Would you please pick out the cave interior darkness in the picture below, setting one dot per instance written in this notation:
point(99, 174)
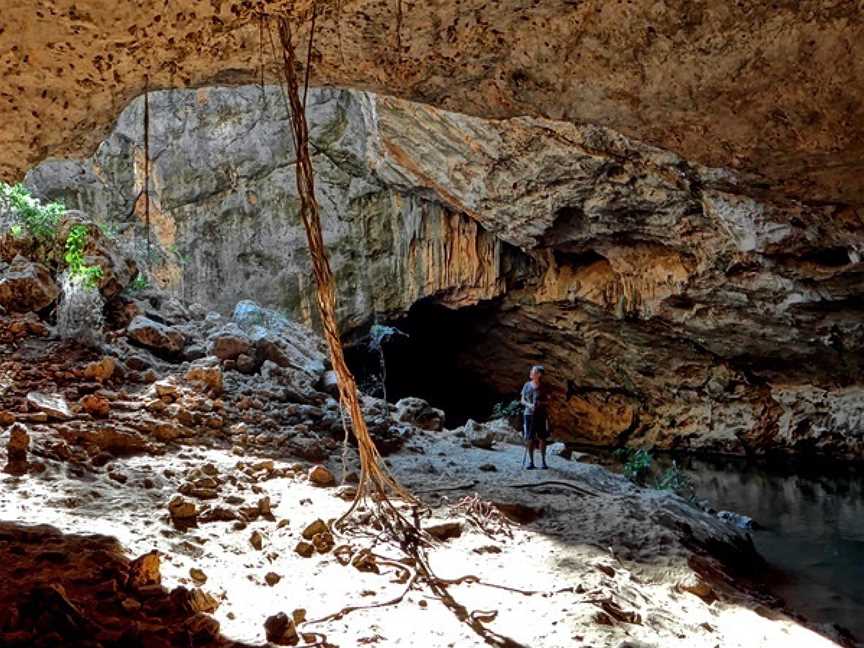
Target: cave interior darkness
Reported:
point(425, 359)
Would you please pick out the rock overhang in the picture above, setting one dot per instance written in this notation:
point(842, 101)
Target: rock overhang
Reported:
point(767, 90)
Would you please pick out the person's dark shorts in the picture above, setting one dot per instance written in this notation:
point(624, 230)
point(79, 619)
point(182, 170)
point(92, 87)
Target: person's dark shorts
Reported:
point(534, 427)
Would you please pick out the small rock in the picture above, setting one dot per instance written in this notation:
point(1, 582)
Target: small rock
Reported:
point(19, 442)
point(96, 405)
point(257, 540)
point(736, 519)
point(246, 364)
point(165, 388)
point(321, 476)
point(318, 526)
point(271, 578)
point(6, 418)
point(347, 492)
point(101, 370)
point(417, 411)
point(280, 629)
point(207, 374)
point(144, 571)
point(201, 601)
point(323, 542)
point(479, 435)
point(488, 467)
point(182, 509)
point(264, 506)
point(444, 530)
point(305, 549)
point(197, 575)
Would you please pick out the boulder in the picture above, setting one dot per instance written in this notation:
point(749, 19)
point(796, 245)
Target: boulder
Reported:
point(280, 340)
point(479, 435)
point(26, 286)
point(53, 405)
point(417, 411)
point(229, 342)
point(156, 336)
point(118, 269)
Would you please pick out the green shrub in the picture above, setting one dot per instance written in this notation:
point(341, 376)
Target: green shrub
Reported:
point(675, 480)
point(637, 463)
point(40, 220)
point(139, 283)
point(507, 410)
point(109, 230)
point(89, 276)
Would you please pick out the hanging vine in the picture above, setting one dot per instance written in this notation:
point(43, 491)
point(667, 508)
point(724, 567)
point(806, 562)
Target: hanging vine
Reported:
point(376, 483)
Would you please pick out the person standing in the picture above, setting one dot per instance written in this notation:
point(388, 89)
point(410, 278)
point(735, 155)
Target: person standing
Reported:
point(535, 420)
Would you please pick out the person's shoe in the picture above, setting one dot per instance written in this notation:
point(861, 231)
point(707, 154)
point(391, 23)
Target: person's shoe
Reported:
point(531, 467)
point(544, 467)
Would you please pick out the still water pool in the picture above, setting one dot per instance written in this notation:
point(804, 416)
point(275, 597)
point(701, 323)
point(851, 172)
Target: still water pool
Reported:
point(810, 528)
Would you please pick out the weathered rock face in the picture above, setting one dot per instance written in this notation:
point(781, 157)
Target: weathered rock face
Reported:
point(771, 89)
point(670, 306)
point(224, 212)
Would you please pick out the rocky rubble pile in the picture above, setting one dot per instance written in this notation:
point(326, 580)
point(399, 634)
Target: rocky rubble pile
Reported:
point(104, 598)
point(164, 371)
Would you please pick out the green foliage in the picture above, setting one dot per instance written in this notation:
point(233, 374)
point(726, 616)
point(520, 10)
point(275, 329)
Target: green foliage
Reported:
point(89, 276)
point(109, 230)
point(183, 258)
point(637, 463)
point(507, 410)
point(139, 283)
point(673, 479)
point(17, 230)
point(40, 220)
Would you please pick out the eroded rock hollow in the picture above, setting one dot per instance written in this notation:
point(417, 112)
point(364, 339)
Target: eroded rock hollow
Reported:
point(674, 304)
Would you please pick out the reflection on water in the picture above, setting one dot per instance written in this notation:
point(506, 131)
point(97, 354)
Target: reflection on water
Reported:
point(812, 529)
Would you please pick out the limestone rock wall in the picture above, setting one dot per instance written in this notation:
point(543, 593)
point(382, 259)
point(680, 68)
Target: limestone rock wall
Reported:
point(671, 304)
point(224, 219)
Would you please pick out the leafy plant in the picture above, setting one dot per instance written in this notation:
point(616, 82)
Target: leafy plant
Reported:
point(141, 282)
point(109, 230)
point(40, 220)
point(17, 230)
point(79, 271)
point(637, 463)
point(674, 479)
point(506, 410)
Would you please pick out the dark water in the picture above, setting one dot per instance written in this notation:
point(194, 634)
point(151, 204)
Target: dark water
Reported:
point(812, 529)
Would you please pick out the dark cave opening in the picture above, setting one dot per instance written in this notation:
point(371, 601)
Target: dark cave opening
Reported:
point(426, 358)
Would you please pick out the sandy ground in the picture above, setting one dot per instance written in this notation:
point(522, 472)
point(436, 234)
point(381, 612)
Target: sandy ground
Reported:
point(621, 556)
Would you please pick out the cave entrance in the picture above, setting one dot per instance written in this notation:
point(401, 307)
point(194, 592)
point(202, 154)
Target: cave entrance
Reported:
point(431, 356)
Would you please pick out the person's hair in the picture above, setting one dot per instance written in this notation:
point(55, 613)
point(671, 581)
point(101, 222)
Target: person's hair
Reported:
point(537, 368)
